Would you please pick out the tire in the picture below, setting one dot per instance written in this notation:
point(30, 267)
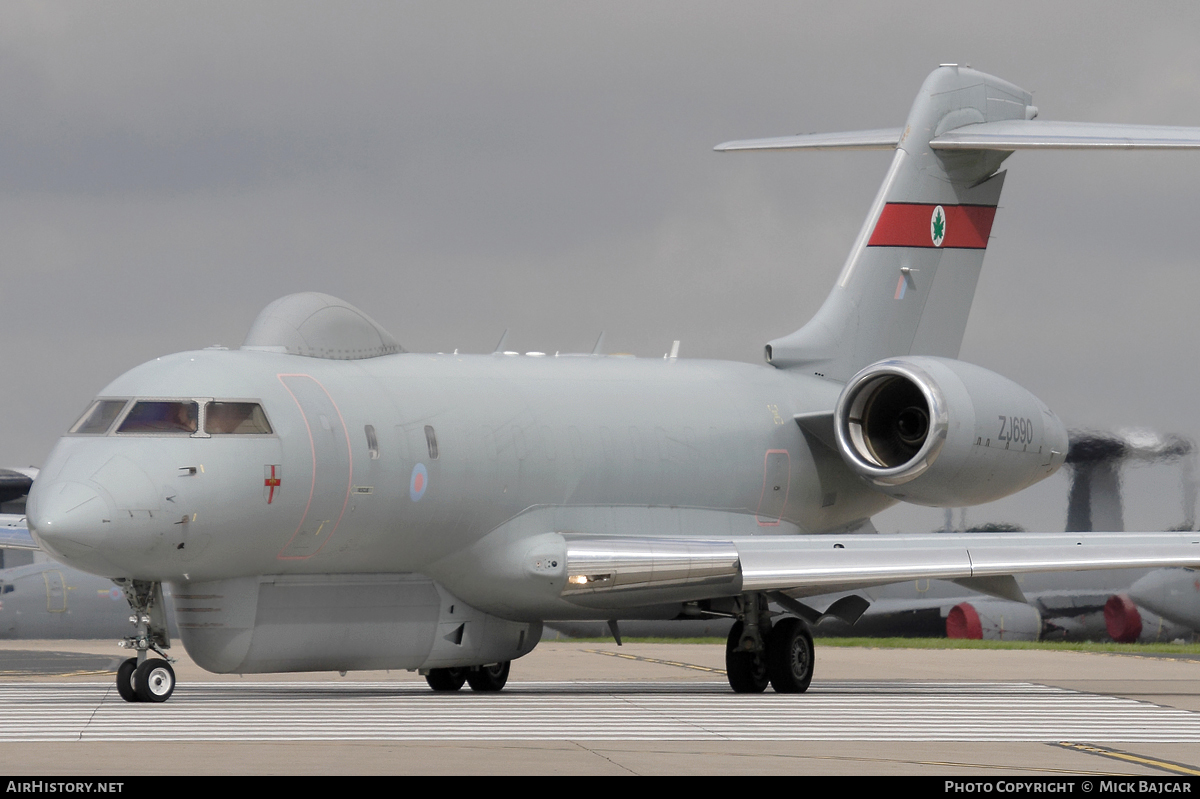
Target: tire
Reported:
point(125, 680)
point(747, 671)
point(446, 679)
point(489, 678)
point(790, 656)
point(154, 680)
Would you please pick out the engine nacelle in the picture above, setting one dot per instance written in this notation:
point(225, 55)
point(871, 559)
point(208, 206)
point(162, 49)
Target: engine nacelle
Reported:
point(994, 620)
point(1127, 623)
point(935, 431)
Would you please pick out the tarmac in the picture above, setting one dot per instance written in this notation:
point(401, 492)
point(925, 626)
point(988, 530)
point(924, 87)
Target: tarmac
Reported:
point(988, 684)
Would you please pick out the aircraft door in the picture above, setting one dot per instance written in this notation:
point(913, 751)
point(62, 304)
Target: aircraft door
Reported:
point(56, 591)
point(331, 467)
point(777, 474)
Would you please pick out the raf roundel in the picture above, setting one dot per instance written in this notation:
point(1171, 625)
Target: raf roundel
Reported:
point(937, 226)
point(418, 482)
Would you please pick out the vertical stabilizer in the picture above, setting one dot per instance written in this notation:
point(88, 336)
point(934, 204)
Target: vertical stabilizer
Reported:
point(908, 283)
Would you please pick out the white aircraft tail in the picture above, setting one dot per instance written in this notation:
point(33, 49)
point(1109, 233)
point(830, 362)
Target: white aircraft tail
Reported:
point(908, 284)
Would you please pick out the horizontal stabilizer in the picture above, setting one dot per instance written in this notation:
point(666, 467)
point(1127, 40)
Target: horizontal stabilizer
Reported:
point(1003, 136)
point(885, 139)
point(1021, 134)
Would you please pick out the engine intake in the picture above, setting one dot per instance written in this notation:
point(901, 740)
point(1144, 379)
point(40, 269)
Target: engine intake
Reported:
point(941, 432)
point(893, 420)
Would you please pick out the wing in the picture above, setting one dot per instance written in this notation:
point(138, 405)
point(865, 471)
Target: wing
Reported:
point(14, 533)
point(635, 570)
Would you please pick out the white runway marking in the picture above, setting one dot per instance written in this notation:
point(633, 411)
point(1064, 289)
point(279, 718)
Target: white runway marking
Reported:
point(379, 711)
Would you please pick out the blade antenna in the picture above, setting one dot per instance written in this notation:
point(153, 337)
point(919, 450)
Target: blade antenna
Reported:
point(500, 344)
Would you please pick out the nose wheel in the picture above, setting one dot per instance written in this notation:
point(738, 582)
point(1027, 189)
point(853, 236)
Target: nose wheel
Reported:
point(125, 685)
point(154, 680)
point(143, 678)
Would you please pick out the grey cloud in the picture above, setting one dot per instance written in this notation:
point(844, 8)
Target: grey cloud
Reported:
point(457, 168)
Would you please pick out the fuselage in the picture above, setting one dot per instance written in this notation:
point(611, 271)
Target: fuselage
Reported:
point(390, 464)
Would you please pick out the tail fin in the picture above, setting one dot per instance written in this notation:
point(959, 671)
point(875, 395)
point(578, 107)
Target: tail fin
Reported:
point(908, 284)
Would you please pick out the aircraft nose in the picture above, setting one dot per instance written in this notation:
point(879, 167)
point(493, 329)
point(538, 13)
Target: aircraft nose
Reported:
point(70, 519)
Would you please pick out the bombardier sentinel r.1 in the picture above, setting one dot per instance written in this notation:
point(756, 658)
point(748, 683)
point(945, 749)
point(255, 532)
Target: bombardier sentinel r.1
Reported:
point(322, 499)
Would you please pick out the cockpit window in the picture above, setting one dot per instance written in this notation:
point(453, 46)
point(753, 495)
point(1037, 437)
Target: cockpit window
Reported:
point(235, 417)
point(99, 417)
point(160, 417)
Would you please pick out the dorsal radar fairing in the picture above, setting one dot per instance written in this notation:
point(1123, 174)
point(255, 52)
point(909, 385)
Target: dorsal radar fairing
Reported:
point(908, 283)
point(319, 326)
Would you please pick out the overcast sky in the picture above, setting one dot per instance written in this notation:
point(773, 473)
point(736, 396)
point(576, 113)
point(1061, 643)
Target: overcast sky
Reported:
point(455, 169)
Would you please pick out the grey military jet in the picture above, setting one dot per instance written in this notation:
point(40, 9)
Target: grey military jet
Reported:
point(47, 600)
point(321, 499)
point(1173, 594)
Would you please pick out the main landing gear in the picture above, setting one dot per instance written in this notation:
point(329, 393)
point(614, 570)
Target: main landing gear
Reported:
point(489, 678)
point(759, 652)
point(142, 678)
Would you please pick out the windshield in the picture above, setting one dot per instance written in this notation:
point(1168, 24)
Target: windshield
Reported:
point(99, 417)
point(224, 418)
point(161, 416)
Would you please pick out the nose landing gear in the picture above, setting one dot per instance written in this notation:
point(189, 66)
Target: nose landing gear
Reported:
point(142, 678)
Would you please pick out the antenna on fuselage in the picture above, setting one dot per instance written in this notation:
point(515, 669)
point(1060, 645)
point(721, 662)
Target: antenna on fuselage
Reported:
point(596, 350)
point(500, 344)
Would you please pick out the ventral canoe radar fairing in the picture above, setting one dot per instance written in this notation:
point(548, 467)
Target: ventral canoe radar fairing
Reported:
point(321, 499)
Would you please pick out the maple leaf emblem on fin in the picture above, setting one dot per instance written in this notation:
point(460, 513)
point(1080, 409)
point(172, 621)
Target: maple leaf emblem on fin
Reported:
point(937, 226)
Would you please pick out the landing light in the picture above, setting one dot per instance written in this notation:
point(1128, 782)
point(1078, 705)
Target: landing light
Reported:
point(584, 579)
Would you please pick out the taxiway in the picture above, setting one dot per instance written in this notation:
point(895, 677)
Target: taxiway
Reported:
point(588, 708)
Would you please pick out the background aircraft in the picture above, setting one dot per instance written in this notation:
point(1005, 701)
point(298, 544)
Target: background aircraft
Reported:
point(14, 486)
point(48, 600)
point(1174, 594)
